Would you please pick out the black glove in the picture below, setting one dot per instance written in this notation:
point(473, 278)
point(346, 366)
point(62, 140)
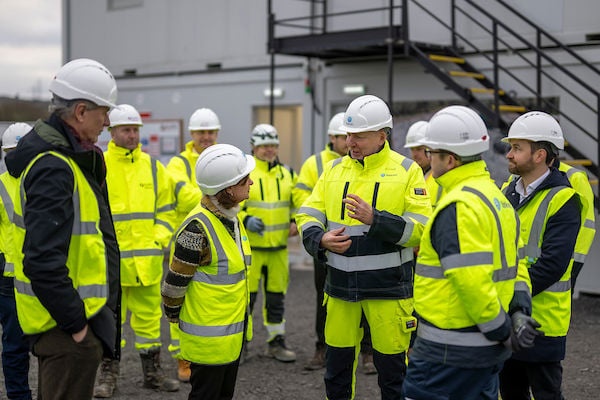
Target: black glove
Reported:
point(523, 333)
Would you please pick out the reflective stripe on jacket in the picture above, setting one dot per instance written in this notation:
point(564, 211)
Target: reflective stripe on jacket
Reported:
point(310, 172)
point(379, 262)
point(142, 202)
point(9, 188)
point(213, 315)
point(86, 260)
point(463, 296)
point(181, 168)
point(271, 201)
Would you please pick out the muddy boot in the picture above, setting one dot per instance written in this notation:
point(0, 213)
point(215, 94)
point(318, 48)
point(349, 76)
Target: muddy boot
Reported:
point(368, 367)
point(318, 360)
point(183, 370)
point(278, 350)
point(154, 376)
point(107, 381)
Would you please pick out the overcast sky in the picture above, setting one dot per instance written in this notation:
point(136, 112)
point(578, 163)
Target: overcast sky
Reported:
point(30, 46)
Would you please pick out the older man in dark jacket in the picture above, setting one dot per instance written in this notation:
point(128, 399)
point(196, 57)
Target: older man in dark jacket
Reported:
point(67, 286)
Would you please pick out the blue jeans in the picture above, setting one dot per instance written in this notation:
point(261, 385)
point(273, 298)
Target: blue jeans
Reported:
point(432, 381)
point(15, 351)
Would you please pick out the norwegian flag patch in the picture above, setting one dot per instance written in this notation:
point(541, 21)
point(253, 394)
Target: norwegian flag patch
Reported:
point(420, 192)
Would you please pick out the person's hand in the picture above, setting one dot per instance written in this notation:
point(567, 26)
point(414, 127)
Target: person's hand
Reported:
point(523, 333)
point(334, 241)
point(293, 229)
point(79, 336)
point(359, 209)
point(255, 224)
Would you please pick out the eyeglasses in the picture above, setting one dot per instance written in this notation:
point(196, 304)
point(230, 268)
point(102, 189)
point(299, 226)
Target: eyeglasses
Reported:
point(429, 152)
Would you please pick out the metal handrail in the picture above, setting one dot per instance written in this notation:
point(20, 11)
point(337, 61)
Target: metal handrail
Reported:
point(364, 10)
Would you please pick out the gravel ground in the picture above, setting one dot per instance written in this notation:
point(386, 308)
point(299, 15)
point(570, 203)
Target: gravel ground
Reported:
point(266, 379)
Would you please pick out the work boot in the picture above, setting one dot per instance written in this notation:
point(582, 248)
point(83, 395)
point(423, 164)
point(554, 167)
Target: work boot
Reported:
point(318, 360)
point(368, 367)
point(154, 376)
point(278, 350)
point(183, 370)
point(107, 381)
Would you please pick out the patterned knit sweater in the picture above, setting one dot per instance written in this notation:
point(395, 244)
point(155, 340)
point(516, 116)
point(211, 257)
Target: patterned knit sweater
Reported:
point(192, 250)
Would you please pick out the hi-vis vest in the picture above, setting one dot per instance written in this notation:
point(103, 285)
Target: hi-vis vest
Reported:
point(552, 307)
point(86, 260)
point(9, 188)
point(465, 295)
point(181, 167)
point(142, 207)
point(271, 201)
point(580, 183)
point(370, 268)
point(310, 172)
point(216, 300)
point(433, 188)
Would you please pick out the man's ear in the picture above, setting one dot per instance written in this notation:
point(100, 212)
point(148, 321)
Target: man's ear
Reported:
point(79, 111)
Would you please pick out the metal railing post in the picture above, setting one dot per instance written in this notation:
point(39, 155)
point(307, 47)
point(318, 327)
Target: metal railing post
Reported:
point(496, 78)
point(538, 71)
point(390, 60)
point(453, 22)
point(324, 16)
point(405, 29)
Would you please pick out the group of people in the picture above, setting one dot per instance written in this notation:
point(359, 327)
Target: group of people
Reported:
point(465, 288)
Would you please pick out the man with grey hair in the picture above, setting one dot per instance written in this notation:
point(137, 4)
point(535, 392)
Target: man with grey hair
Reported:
point(67, 282)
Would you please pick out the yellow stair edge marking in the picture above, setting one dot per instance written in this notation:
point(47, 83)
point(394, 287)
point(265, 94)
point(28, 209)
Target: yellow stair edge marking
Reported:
point(467, 74)
point(593, 181)
point(485, 90)
point(578, 162)
point(437, 57)
point(508, 108)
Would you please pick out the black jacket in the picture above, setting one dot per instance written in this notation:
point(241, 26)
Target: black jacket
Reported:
point(558, 243)
point(48, 217)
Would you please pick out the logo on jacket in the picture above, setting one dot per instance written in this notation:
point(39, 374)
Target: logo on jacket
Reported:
point(497, 204)
point(420, 192)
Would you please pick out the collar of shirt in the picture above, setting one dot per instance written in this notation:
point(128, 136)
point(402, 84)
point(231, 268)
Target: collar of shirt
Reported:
point(523, 193)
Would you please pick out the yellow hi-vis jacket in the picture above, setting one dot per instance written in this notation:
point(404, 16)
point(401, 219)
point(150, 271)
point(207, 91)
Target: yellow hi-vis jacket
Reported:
point(434, 189)
point(215, 307)
point(310, 172)
point(580, 183)
point(182, 170)
point(86, 260)
point(142, 202)
point(9, 189)
point(463, 294)
point(270, 200)
point(378, 264)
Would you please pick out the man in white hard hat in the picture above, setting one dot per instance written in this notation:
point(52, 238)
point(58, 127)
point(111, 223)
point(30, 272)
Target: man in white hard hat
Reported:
point(204, 126)
point(268, 215)
point(414, 136)
point(471, 294)
point(142, 201)
point(550, 213)
point(67, 284)
point(15, 351)
point(364, 215)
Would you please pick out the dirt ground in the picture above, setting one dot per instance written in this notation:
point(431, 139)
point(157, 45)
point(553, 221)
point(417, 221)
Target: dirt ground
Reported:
point(266, 379)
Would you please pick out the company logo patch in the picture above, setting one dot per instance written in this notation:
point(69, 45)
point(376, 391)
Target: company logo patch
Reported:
point(349, 120)
point(420, 192)
point(497, 204)
point(411, 324)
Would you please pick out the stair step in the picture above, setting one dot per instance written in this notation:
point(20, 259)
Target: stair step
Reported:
point(578, 162)
point(485, 90)
point(593, 182)
point(437, 57)
point(465, 74)
point(509, 108)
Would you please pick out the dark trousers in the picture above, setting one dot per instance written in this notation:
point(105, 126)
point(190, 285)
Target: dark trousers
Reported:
point(15, 350)
point(213, 382)
point(432, 381)
point(320, 275)
point(67, 370)
point(518, 377)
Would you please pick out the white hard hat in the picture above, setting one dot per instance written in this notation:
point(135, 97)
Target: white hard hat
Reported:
point(221, 166)
point(124, 114)
point(204, 119)
point(459, 130)
point(366, 113)
point(85, 79)
point(13, 134)
point(264, 134)
point(536, 126)
point(334, 125)
point(415, 133)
